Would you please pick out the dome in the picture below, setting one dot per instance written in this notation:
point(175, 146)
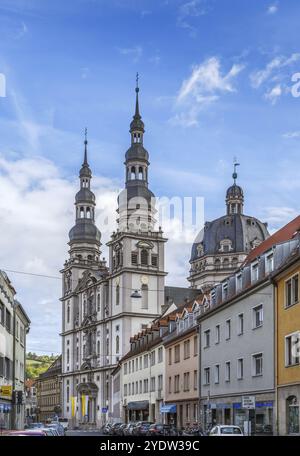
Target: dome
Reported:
point(135, 191)
point(240, 232)
point(85, 231)
point(137, 152)
point(235, 191)
point(85, 195)
point(137, 124)
point(85, 171)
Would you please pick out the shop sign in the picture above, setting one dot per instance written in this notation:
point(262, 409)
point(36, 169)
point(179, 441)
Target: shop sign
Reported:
point(6, 391)
point(248, 402)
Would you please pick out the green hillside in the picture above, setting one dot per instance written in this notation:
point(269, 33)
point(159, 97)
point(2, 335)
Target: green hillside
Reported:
point(37, 364)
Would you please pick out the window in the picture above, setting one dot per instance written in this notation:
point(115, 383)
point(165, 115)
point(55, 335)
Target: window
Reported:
point(160, 355)
point(154, 261)
point(117, 344)
point(2, 314)
point(145, 361)
point(228, 329)
point(239, 282)
point(134, 258)
point(144, 257)
point(195, 380)
point(141, 386)
point(125, 369)
point(141, 362)
point(98, 302)
point(195, 346)
point(144, 296)
point(170, 356)
point(186, 381)
point(217, 373)
point(257, 365)
point(292, 291)
point(217, 334)
point(170, 385)
point(152, 384)
point(227, 371)
point(152, 358)
point(68, 314)
point(207, 376)
point(240, 369)
point(206, 338)
point(8, 321)
point(254, 272)
point(98, 347)
point(293, 415)
point(160, 382)
point(177, 354)
point(176, 384)
point(292, 355)
point(186, 349)
point(117, 295)
point(258, 316)
point(269, 263)
point(146, 386)
point(240, 324)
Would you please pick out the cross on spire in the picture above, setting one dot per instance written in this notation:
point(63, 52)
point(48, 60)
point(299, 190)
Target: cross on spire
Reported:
point(85, 147)
point(234, 175)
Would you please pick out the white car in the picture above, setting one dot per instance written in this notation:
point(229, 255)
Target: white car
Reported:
point(226, 431)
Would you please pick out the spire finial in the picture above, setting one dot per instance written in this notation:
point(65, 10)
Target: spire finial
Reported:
point(137, 89)
point(85, 146)
point(234, 175)
point(137, 82)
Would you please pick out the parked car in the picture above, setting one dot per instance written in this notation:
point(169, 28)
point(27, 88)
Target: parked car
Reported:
point(26, 432)
point(56, 425)
point(36, 425)
point(159, 429)
point(224, 431)
point(142, 428)
point(64, 422)
point(129, 429)
point(120, 429)
point(106, 429)
point(114, 428)
point(193, 431)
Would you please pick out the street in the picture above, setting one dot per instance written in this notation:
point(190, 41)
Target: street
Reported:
point(83, 433)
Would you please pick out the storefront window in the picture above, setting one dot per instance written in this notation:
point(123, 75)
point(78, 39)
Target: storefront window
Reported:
point(293, 415)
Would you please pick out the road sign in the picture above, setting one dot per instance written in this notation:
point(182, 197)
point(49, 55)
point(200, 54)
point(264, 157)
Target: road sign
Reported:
point(6, 391)
point(104, 410)
point(248, 402)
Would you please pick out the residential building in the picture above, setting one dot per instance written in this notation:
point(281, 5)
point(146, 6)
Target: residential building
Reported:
point(239, 363)
point(181, 405)
point(223, 244)
point(287, 303)
point(14, 326)
point(48, 392)
point(30, 401)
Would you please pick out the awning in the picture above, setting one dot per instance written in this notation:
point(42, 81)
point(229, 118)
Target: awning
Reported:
point(171, 408)
point(139, 405)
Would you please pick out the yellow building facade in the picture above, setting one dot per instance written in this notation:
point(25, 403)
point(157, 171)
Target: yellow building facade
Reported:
point(287, 347)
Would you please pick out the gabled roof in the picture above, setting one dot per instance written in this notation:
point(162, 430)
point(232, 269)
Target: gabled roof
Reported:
point(284, 234)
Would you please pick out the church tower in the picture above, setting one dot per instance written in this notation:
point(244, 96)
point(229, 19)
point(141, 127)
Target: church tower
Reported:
point(136, 250)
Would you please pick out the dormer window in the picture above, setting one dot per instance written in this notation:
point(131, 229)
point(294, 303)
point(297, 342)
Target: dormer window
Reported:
point(254, 272)
point(269, 262)
point(200, 250)
point(225, 245)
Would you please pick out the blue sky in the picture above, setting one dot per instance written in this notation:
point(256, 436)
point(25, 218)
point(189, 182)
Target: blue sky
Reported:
point(215, 78)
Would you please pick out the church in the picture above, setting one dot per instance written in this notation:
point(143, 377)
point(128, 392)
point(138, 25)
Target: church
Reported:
point(103, 305)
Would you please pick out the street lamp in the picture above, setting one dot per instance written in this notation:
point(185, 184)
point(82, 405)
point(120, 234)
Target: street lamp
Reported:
point(136, 294)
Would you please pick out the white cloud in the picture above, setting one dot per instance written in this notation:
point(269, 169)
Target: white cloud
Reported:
point(272, 9)
point(257, 78)
point(291, 134)
point(187, 11)
point(274, 94)
point(204, 86)
point(278, 216)
point(134, 52)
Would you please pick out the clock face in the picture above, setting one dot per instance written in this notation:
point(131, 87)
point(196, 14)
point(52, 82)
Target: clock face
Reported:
point(144, 280)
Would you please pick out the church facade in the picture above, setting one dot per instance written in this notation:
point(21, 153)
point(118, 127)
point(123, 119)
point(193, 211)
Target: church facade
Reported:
point(103, 306)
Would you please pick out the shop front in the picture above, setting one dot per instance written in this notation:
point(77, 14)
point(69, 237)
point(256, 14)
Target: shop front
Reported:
point(169, 412)
point(5, 414)
point(137, 411)
point(260, 417)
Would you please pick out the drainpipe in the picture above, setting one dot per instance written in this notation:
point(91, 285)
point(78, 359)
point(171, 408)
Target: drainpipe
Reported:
point(199, 373)
point(275, 297)
point(13, 407)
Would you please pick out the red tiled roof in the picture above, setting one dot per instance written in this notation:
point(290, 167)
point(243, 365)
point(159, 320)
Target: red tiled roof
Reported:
point(284, 234)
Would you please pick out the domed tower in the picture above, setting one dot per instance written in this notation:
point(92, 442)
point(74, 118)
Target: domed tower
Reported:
point(136, 203)
point(223, 244)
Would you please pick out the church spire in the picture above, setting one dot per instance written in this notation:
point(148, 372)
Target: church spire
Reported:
point(137, 125)
point(235, 195)
point(85, 172)
point(85, 162)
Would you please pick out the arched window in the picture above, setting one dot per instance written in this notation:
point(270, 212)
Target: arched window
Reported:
point(107, 347)
point(98, 302)
point(226, 263)
point(88, 213)
point(217, 263)
point(77, 354)
point(144, 257)
point(117, 295)
point(133, 172)
point(98, 347)
point(84, 308)
point(117, 344)
point(81, 212)
point(68, 314)
point(68, 394)
point(141, 173)
point(292, 415)
point(145, 293)
point(68, 356)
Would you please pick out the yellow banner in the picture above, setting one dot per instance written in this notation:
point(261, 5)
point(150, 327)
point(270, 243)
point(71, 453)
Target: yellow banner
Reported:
point(6, 390)
point(84, 405)
point(73, 405)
